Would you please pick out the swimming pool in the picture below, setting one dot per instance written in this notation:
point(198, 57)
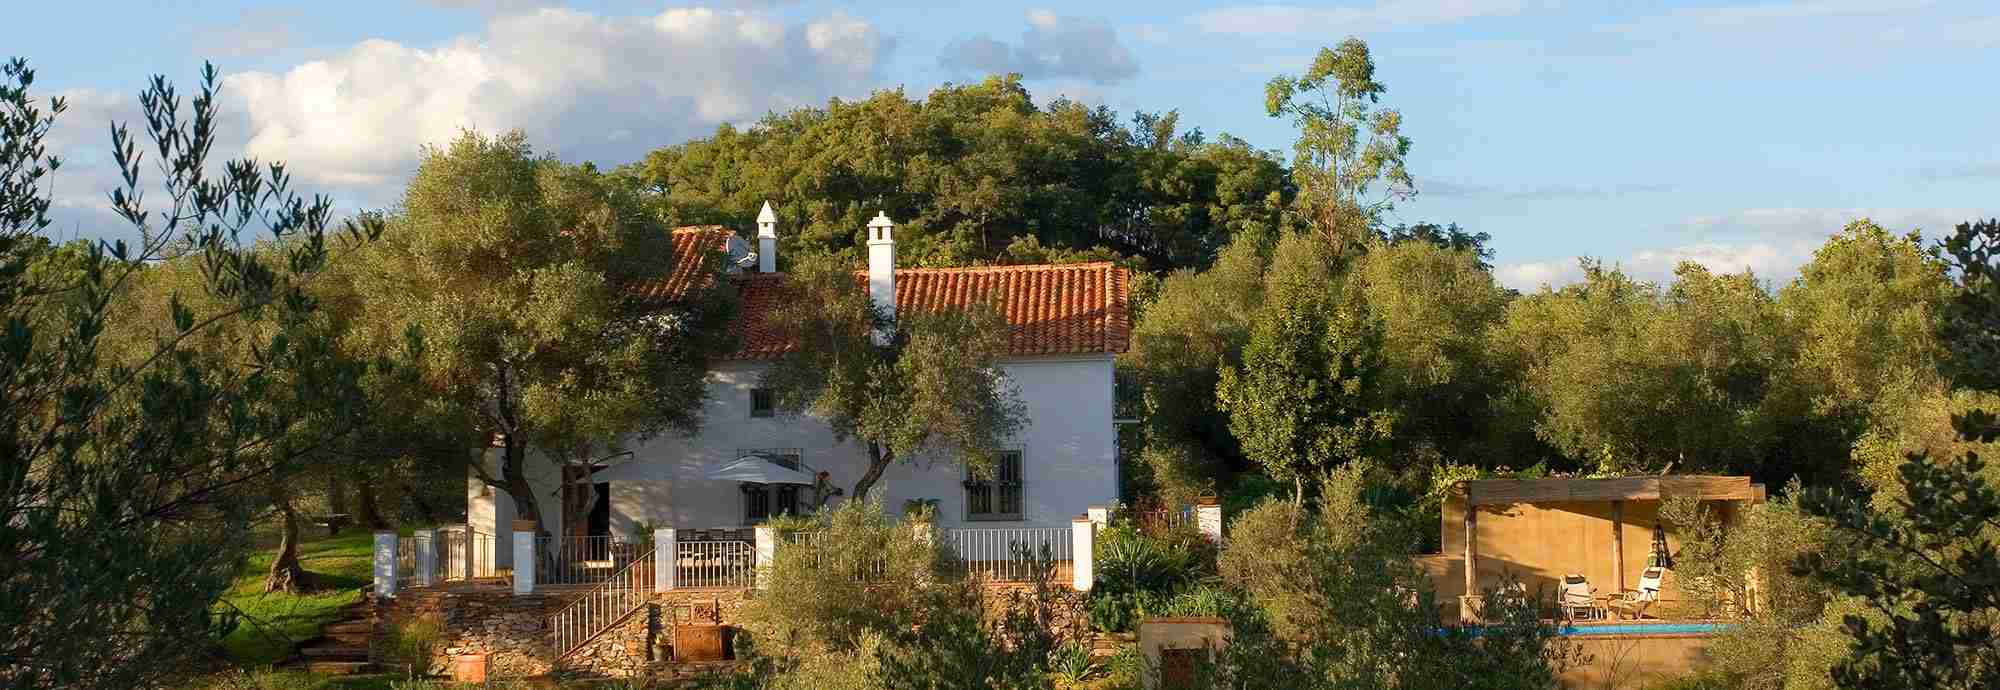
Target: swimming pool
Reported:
point(1644, 629)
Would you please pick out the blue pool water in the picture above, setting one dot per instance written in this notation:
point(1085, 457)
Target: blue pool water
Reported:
point(1644, 629)
point(1627, 629)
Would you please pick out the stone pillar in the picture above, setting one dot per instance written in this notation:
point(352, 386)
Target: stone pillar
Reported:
point(1083, 552)
point(767, 553)
point(524, 556)
point(666, 558)
point(1208, 517)
point(385, 564)
point(426, 541)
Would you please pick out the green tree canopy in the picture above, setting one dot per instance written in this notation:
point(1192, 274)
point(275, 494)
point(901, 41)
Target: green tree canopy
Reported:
point(1309, 393)
point(524, 276)
point(971, 168)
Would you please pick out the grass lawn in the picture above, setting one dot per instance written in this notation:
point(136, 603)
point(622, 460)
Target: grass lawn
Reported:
point(342, 565)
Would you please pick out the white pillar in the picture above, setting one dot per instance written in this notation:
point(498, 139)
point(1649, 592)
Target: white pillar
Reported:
point(426, 541)
point(1208, 517)
point(767, 553)
point(385, 564)
point(524, 556)
point(666, 558)
point(1083, 552)
point(1100, 516)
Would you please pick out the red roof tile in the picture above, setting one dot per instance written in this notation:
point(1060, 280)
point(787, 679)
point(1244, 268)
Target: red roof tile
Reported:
point(1060, 309)
point(688, 242)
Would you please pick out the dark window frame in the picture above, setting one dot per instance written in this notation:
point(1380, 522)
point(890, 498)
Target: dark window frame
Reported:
point(990, 500)
point(763, 403)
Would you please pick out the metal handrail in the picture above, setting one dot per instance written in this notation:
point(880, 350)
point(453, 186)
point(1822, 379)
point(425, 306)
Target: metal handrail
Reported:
point(997, 553)
point(605, 605)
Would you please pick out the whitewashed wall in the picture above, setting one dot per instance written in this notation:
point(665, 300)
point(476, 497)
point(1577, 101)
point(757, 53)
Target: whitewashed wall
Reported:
point(1068, 457)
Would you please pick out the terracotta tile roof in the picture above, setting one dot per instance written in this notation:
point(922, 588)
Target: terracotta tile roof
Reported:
point(689, 241)
point(1061, 309)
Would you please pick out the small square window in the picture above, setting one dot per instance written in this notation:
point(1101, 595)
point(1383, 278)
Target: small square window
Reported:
point(762, 403)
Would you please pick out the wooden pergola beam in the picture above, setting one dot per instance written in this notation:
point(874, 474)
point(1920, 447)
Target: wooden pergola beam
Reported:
point(1511, 491)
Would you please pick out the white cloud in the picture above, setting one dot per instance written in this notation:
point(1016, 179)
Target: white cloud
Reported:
point(1821, 222)
point(1771, 242)
point(1054, 46)
point(583, 87)
point(1304, 20)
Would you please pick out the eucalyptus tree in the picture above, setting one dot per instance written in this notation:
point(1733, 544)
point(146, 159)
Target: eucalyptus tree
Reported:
point(1347, 146)
point(127, 485)
point(542, 290)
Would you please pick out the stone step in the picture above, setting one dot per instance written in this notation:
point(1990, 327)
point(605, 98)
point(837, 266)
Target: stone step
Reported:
point(334, 653)
point(361, 624)
point(338, 668)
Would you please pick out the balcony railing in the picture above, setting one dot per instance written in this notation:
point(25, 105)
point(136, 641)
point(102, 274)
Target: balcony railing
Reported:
point(1011, 554)
point(580, 560)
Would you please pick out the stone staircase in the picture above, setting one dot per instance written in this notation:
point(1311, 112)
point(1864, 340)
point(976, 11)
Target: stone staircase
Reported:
point(341, 648)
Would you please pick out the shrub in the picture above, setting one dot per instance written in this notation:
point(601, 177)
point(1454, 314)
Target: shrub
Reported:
point(413, 643)
point(862, 573)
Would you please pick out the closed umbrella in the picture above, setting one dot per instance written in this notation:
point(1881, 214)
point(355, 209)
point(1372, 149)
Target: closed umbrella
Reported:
point(1660, 557)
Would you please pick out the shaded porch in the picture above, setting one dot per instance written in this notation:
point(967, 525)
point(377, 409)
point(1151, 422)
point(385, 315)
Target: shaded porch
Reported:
point(1547, 534)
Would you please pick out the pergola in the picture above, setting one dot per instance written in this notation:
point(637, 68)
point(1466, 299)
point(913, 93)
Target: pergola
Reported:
point(1616, 491)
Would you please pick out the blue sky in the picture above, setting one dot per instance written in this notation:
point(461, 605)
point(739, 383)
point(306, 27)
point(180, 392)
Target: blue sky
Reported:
point(1642, 132)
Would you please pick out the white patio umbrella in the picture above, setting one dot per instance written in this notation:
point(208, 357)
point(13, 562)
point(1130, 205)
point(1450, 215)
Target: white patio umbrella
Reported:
point(758, 469)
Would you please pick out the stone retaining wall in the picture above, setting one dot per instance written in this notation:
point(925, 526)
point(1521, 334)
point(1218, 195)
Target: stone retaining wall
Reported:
point(512, 629)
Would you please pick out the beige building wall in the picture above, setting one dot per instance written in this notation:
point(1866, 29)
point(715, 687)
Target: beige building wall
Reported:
point(1539, 544)
point(1634, 662)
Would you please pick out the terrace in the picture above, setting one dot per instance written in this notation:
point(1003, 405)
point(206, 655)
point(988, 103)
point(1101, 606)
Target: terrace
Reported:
point(1594, 550)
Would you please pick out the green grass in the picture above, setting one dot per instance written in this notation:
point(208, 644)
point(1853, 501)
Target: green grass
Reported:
point(342, 566)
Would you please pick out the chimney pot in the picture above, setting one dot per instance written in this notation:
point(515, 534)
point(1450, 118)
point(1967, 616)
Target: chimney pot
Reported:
point(767, 240)
point(882, 266)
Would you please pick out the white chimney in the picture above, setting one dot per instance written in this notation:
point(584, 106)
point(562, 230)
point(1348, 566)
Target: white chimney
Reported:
point(767, 240)
point(882, 263)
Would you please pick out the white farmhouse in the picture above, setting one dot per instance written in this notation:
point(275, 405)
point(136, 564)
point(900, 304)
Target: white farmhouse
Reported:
point(1069, 321)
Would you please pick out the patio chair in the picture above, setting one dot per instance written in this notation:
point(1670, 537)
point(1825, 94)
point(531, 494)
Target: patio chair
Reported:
point(1636, 601)
point(1579, 599)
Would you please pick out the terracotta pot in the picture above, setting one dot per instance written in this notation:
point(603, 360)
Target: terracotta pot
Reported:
point(468, 668)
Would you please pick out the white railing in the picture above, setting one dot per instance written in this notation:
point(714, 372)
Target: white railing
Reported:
point(406, 560)
point(605, 605)
point(580, 560)
point(716, 564)
point(859, 567)
point(1009, 554)
point(463, 551)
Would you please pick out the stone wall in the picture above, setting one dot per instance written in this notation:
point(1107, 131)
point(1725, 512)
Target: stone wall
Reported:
point(512, 630)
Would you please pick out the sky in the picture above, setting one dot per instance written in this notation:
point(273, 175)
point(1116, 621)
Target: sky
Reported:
point(1643, 133)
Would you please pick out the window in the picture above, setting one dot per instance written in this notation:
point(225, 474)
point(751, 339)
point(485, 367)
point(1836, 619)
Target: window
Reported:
point(762, 403)
point(997, 497)
point(764, 501)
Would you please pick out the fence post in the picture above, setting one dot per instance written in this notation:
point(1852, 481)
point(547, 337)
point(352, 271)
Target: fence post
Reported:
point(767, 553)
point(1100, 516)
point(469, 552)
point(524, 557)
point(666, 558)
point(1208, 516)
point(1083, 551)
point(385, 564)
point(426, 541)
